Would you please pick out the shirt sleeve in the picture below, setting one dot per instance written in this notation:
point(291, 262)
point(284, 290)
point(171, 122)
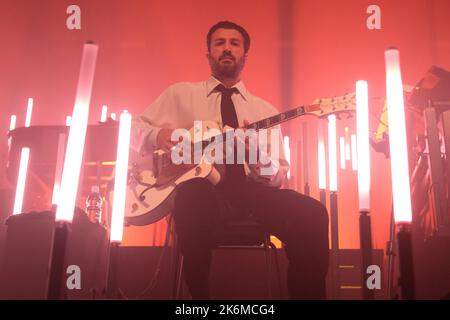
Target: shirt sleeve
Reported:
point(146, 126)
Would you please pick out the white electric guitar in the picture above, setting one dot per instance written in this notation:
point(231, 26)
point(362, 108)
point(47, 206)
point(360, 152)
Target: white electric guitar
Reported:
point(151, 188)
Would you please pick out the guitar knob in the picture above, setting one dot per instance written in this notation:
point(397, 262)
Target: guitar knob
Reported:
point(134, 207)
point(141, 198)
point(198, 170)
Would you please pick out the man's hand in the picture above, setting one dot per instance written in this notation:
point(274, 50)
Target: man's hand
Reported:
point(163, 140)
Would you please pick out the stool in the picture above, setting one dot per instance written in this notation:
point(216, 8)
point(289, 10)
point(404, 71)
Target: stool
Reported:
point(239, 234)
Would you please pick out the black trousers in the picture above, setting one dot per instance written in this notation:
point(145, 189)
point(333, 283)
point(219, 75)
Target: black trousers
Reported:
point(299, 221)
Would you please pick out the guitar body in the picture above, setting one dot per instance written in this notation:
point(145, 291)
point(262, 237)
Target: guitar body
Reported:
point(150, 198)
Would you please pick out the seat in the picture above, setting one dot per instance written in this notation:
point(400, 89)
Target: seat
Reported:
point(237, 234)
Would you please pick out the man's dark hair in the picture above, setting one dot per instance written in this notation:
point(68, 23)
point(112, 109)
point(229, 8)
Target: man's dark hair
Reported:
point(229, 25)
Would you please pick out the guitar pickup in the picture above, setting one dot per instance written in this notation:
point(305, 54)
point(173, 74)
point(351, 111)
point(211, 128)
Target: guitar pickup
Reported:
point(158, 158)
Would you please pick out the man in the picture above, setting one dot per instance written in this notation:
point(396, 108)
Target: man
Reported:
point(200, 207)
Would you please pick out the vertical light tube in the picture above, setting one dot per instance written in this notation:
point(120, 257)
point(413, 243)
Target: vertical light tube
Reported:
point(12, 126)
point(361, 160)
point(29, 112)
point(306, 188)
point(59, 168)
point(347, 145)
point(104, 113)
point(322, 164)
point(120, 180)
point(287, 152)
point(362, 145)
point(397, 138)
point(354, 152)
point(23, 167)
point(332, 156)
point(77, 135)
point(68, 121)
point(12, 122)
point(342, 151)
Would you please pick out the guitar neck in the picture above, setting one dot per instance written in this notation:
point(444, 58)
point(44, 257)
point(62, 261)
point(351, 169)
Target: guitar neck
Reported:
point(259, 125)
point(282, 117)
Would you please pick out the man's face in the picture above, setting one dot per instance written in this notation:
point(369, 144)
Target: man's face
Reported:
point(226, 56)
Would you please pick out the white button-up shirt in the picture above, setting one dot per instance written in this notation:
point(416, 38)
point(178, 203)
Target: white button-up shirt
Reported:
point(185, 102)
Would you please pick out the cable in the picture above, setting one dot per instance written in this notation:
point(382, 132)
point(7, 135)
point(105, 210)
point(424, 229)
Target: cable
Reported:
point(152, 283)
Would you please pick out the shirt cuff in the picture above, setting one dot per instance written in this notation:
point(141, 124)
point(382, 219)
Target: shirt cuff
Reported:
point(151, 144)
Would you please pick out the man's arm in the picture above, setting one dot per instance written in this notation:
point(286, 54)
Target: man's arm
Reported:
point(152, 129)
point(272, 167)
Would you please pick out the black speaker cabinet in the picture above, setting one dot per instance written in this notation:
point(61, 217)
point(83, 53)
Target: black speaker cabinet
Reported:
point(143, 272)
point(25, 267)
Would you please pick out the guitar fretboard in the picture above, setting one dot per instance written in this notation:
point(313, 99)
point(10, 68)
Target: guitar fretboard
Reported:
point(259, 125)
point(277, 119)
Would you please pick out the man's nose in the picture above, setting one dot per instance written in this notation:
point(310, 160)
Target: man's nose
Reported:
point(227, 46)
point(227, 51)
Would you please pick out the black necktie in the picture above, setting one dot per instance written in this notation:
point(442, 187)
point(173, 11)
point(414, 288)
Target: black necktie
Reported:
point(234, 173)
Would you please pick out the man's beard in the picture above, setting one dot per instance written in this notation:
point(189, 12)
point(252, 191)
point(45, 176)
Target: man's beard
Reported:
point(227, 70)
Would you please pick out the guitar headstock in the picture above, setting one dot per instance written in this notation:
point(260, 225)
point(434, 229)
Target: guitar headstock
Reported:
point(323, 107)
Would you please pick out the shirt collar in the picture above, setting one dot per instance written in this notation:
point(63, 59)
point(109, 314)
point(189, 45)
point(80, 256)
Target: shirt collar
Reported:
point(212, 83)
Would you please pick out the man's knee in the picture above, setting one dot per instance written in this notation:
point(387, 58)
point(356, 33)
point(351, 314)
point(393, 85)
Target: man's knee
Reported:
point(193, 199)
point(310, 212)
point(194, 190)
point(321, 213)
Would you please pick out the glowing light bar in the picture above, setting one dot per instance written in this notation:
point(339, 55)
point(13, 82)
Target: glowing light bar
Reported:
point(347, 151)
point(397, 138)
point(305, 153)
point(287, 152)
point(362, 145)
point(120, 180)
point(77, 135)
point(12, 122)
point(113, 116)
point(347, 146)
point(59, 167)
point(354, 152)
point(68, 121)
point(342, 151)
point(12, 126)
point(322, 166)
point(104, 113)
point(332, 153)
point(29, 112)
point(23, 167)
